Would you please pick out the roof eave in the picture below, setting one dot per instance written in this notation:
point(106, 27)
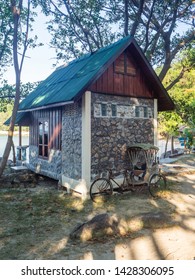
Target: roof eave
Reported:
point(47, 106)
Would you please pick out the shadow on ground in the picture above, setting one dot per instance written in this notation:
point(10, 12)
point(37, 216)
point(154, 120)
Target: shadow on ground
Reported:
point(36, 223)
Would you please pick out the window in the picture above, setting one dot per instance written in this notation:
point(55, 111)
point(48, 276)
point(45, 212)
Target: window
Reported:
point(104, 110)
point(124, 65)
point(141, 112)
point(137, 112)
point(150, 115)
point(119, 64)
point(43, 138)
point(145, 112)
point(114, 110)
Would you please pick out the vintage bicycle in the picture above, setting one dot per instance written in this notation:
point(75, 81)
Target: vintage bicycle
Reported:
point(144, 170)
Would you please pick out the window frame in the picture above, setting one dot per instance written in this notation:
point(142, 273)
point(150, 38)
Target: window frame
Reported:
point(127, 69)
point(104, 112)
point(43, 141)
point(141, 111)
point(114, 110)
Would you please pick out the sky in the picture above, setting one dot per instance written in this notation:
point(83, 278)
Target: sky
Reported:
point(38, 64)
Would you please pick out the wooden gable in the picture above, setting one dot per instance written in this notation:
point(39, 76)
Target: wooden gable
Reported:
point(123, 77)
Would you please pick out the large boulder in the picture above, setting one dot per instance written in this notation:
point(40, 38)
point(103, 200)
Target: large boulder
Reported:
point(103, 224)
point(110, 224)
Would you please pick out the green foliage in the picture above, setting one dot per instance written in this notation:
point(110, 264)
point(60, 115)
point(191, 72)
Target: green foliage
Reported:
point(169, 123)
point(4, 115)
point(7, 31)
point(7, 93)
point(189, 135)
point(183, 95)
point(77, 27)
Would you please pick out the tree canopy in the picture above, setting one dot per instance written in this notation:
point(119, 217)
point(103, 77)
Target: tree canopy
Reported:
point(6, 33)
point(183, 95)
point(79, 26)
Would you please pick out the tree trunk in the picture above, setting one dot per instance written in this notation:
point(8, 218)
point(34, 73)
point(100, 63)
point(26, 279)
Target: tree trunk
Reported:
point(126, 19)
point(16, 11)
point(137, 19)
point(14, 154)
point(11, 128)
point(166, 144)
point(172, 144)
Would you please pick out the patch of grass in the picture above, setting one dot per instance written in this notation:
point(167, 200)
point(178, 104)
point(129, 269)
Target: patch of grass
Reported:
point(36, 222)
point(29, 218)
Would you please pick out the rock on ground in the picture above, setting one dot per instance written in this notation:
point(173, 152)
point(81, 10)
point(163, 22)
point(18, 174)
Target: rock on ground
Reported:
point(106, 224)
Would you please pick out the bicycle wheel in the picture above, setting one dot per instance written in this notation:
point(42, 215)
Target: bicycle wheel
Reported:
point(100, 189)
point(157, 184)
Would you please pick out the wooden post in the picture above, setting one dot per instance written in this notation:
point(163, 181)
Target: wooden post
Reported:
point(20, 142)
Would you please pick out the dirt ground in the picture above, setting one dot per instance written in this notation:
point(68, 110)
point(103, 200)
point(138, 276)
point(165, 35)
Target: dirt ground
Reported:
point(35, 223)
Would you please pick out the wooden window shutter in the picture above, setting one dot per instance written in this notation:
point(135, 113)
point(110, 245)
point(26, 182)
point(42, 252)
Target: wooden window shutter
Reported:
point(120, 64)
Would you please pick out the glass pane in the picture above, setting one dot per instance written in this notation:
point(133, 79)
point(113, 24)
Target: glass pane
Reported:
point(40, 132)
point(46, 132)
point(43, 138)
point(46, 151)
point(137, 111)
point(46, 139)
point(104, 109)
point(46, 127)
point(113, 110)
point(141, 112)
point(145, 112)
point(40, 151)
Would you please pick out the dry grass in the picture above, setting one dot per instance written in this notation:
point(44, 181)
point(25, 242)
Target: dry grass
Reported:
point(36, 222)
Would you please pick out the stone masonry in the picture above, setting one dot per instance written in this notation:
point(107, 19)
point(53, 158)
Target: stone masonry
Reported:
point(71, 140)
point(110, 135)
point(50, 167)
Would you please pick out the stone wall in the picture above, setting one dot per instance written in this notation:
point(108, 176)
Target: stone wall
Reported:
point(129, 121)
point(50, 167)
point(71, 140)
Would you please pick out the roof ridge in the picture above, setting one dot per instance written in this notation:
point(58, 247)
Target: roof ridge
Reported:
point(86, 55)
point(114, 43)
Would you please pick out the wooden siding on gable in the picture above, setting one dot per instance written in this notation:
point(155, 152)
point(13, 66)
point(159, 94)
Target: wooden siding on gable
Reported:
point(124, 77)
point(54, 117)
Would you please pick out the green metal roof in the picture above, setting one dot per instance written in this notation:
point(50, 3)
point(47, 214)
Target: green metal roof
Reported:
point(68, 82)
point(22, 118)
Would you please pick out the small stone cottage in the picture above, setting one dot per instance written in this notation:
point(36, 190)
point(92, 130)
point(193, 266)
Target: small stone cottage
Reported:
point(85, 113)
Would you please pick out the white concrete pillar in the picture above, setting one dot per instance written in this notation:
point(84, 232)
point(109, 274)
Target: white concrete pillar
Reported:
point(86, 138)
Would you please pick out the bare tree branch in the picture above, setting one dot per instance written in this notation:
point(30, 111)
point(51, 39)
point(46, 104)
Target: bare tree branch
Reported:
point(137, 19)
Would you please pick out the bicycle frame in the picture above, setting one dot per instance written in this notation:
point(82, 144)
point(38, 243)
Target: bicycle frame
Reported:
point(125, 183)
point(148, 175)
